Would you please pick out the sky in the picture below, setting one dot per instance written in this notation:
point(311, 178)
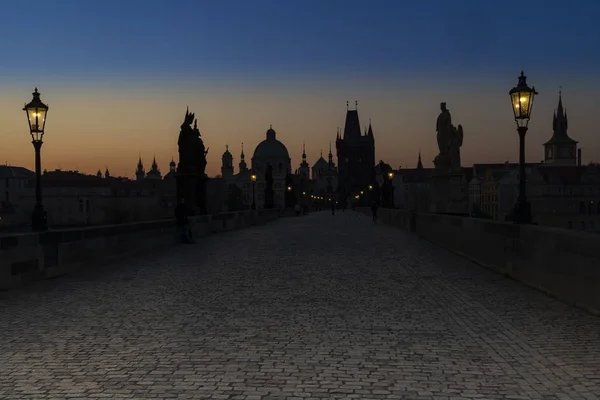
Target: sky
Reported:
point(119, 74)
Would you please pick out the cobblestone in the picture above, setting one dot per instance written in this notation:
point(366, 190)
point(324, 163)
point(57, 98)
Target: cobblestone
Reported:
point(310, 308)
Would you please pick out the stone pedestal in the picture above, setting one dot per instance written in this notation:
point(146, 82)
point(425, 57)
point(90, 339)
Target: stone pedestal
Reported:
point(200, 197)
point(186, 189)
point(449, 194)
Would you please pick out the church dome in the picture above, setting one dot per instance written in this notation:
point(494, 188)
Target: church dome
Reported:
point(227, 155)
point(271, 148)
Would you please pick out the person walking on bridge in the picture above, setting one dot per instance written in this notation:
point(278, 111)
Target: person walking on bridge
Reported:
point(374, 208)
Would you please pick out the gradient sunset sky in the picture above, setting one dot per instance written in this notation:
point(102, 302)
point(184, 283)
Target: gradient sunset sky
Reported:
point(118, 75)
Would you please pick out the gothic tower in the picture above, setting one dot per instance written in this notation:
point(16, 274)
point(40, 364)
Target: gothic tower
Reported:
point(356, 156)
point(243, 165)
point(304, 167)
point(560, 149)
point(227, 163)
point(140, 173)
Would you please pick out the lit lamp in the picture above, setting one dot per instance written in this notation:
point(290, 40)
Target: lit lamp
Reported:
point(253, 179)
point(289, 188)
point(370, 187)
point(521, 98)
point(391, 178)
point(36, 117)
point(303, 193)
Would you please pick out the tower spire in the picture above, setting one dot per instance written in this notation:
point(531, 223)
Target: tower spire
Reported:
point(330, 157)
point(419, 163)
point(303, 151)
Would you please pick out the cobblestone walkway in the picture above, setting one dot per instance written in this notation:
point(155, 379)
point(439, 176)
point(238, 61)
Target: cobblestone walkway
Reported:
point(315, 307)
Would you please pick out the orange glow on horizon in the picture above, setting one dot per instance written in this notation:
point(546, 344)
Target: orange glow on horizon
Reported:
point(119, 122)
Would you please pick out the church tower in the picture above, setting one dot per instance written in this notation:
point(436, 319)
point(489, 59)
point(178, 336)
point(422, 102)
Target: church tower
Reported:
point(560, 149)
point(227, 163)
point(331, 163)
point(172, 166)
point(154, 172)
point(140, 173)
point(243, 165)
point(304, 167)
point(356, 155)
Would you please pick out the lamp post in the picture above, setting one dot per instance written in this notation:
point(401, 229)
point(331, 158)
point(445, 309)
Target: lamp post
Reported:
point(36, 117)
point(391, 179)
point(521, 98)
point(253, 179)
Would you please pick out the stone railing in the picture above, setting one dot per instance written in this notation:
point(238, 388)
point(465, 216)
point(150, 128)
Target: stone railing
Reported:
point(33, 256)
point(562, 263)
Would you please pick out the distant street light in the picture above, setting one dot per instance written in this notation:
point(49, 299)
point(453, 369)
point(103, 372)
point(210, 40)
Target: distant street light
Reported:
point(391, 178)
point(521, 98)
point(253, 179)
point(36, 117)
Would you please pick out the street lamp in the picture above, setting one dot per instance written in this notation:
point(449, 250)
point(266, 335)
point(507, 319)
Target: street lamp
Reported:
point(253, 179)
point(289, 188)
point(391, 178)
point(521, 98)
point(36, 117)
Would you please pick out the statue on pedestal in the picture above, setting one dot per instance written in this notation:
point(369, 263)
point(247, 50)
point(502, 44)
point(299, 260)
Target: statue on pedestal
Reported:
point(450, 140)
point(269, 193)
point(200, 162)
point(185, 177)
point(186, 145)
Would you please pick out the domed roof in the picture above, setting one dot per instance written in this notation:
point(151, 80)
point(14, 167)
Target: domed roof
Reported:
point(271, 148)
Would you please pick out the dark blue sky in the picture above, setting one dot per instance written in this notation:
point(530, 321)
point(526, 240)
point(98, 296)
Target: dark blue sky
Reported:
point(320, 37)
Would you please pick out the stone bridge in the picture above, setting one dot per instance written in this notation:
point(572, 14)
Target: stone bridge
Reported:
point(313, 307)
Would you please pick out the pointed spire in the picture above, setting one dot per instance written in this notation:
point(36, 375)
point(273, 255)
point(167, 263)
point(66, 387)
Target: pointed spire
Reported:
point(321, 153)
point(242, 155)
point(330, 157)
point(419, 163)
point(195, 124)
point(226, 147)
point(559, 110)
point(303, 151)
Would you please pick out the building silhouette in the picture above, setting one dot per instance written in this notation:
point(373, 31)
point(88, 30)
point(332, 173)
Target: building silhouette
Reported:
point(356, 156)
